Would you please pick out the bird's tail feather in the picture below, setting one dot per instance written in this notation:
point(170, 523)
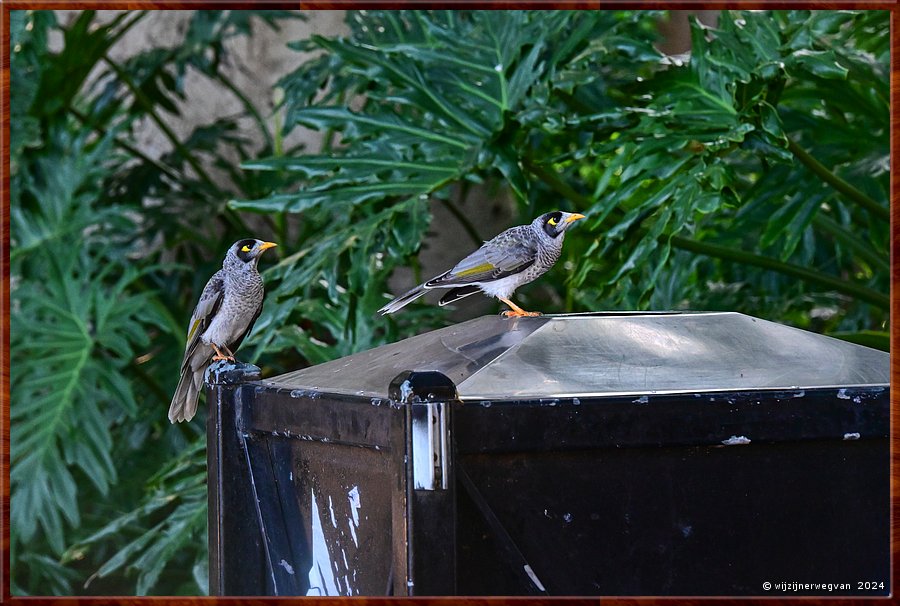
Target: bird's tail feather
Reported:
point(458, 293)
point(187, 394)
point(403, 300)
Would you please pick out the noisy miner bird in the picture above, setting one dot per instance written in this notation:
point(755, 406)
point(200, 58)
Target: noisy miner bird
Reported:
point(513, 258)
point(229, 305)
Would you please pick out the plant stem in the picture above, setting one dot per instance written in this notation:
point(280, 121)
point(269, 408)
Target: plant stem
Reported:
point(464, 221)
point(863, 293)
point(232, 216)
point(417, 269)
point(852, 242)
point(837, 183)
point(278, 143)
point(229, 215)
point(328, 137)
point(550, 178)
point(127, 146)
point(857, 291)
point(128, 25)
point(142, 99)
point(251, 109)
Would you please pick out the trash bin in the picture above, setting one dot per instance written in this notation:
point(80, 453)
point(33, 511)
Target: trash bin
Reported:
point(583, 454)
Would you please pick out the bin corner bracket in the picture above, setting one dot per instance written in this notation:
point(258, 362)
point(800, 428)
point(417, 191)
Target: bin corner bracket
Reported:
point(224, 372)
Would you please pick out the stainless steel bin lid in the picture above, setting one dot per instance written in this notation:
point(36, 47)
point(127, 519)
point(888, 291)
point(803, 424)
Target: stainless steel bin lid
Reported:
point(605, 354)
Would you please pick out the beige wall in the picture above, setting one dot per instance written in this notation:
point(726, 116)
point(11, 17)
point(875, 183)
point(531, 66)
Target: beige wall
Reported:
point(255, 64)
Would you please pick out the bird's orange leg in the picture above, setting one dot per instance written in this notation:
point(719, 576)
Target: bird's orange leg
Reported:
point(220, 356)
point(516, 311)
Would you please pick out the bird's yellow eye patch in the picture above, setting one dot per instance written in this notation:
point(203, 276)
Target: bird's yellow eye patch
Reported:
point(552, 221)
point(245, 248)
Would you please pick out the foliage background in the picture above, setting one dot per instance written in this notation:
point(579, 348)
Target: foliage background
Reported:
point(751, 175)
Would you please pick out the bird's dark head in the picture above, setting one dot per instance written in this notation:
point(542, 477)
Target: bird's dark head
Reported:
point(556, 223)
point(249, 250)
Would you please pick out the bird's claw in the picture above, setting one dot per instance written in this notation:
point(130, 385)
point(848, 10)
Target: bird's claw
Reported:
point(216, 358)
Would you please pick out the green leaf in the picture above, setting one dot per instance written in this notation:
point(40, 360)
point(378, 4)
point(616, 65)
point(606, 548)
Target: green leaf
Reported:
point(819, 63)
point(406, 73)
point(342, 119)
point(316, 166)
point(356, 194)
point(508, 164)
point(766, 145)
point(771, 122)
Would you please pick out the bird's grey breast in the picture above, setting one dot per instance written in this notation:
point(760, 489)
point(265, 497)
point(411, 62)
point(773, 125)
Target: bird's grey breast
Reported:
point(548, 249)
point(243, 296)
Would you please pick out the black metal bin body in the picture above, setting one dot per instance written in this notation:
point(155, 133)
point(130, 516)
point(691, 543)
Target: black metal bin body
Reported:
point(594, 454)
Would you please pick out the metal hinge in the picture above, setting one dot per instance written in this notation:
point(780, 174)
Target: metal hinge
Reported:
point(430, 443)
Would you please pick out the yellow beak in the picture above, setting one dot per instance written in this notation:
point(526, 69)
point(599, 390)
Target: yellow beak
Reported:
point(266, 245)
point(573, 217)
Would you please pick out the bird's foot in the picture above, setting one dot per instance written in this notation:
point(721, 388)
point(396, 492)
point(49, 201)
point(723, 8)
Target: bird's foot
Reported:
point(515, 311)
point(520, 313)
point(222, 356)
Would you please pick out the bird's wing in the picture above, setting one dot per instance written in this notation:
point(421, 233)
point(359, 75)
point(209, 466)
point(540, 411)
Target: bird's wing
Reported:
point(237, 342)
point(207, 306)
point(508, 253)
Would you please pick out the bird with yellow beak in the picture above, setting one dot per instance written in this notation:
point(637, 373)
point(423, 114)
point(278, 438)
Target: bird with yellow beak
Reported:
point(515, 257)
point(229, 305)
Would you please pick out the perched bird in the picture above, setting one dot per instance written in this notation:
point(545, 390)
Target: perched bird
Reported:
point(229, 305)
point(513, 258)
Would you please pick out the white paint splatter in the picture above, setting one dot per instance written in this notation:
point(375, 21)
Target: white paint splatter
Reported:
point(641, 400)
point(533, 577)
point(283, 563)
point(406, 390)
point(842, 394)
point(353, 495)
point(851, 436)
point(353, 532)
point(736, 441)
point(321, 577)
point(331, 509)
